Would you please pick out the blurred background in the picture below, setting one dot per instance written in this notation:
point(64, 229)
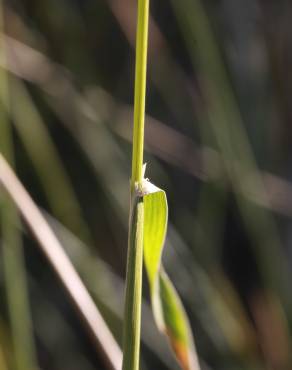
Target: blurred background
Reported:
point(218, 134)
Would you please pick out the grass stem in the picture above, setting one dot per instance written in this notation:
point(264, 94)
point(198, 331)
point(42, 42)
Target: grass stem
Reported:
point(132, 315)
point(140, 91)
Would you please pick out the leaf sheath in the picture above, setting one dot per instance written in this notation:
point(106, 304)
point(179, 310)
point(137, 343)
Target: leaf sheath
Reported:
point(134, 288)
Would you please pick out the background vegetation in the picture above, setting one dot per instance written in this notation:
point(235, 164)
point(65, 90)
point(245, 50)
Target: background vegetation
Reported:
point(218, 134)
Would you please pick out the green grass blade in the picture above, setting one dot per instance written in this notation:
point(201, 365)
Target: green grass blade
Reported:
point(16, 289)
point(24, 352)
point(177, 326)
point(44, 156)
point(168, 310)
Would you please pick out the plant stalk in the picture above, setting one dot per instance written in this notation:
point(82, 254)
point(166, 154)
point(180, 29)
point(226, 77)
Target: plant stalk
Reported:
point(132, 315)
point(140, 92)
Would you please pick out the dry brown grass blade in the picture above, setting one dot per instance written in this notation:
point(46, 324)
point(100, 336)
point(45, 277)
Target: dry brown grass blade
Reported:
point(63, 267)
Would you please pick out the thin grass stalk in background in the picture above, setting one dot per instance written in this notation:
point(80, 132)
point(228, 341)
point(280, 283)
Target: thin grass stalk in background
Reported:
point(13, 258)
point(132, 315)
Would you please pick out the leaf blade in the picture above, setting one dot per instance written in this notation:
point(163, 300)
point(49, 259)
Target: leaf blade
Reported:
point(168, 311)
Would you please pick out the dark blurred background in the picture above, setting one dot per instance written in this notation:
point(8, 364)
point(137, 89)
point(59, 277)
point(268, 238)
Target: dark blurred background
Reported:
point(218, 134)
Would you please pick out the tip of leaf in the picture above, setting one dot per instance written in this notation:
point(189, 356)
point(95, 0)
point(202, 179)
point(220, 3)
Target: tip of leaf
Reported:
point(177, 327)
point(180, 351)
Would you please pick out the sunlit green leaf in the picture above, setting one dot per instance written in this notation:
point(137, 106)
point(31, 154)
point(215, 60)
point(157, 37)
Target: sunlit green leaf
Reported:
point(155, 225)
point(167, 308)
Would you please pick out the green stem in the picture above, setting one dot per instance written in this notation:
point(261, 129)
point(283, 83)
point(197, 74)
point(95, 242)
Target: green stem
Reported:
point(140, 91)
point(132, 316)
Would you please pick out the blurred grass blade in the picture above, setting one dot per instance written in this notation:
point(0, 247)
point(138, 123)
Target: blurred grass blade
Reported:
point(226, 123)
point(3, 364)
point(14, 270)
point(167, 308)
point(63, 267)
point(5, 345)
point(16, 289)
point(44, 156)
